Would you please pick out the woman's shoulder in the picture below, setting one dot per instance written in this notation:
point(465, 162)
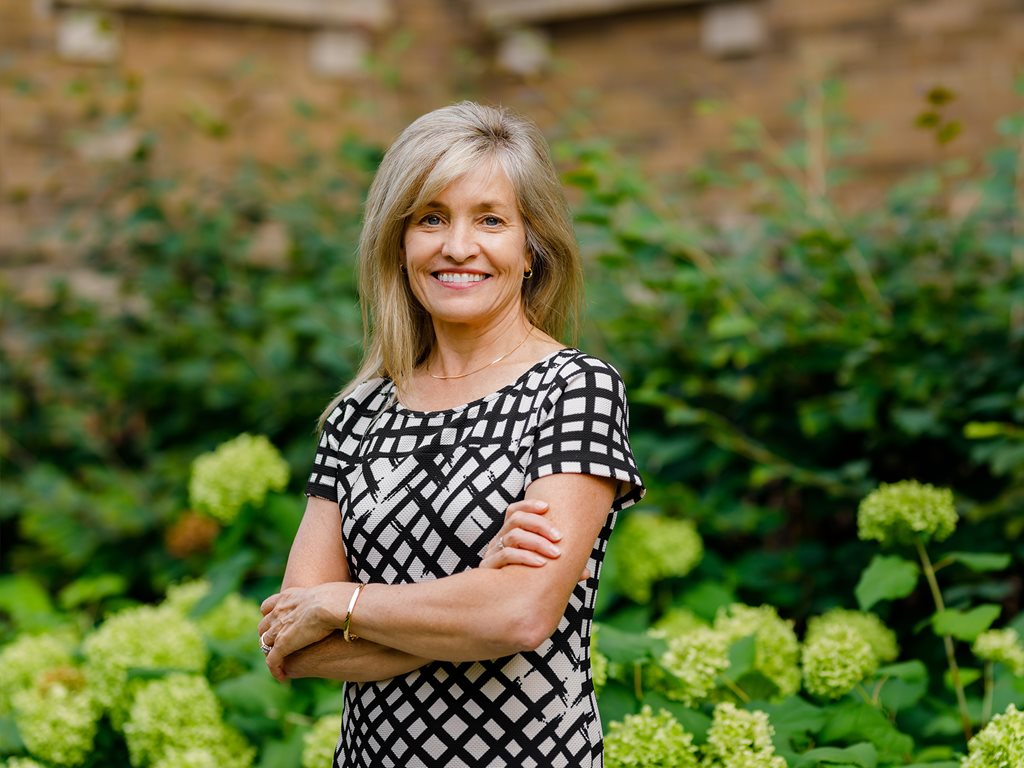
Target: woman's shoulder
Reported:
point(571, 362)
point(368, 395)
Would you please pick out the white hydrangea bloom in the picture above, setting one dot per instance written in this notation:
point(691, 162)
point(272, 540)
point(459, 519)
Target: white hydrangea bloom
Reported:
point(740, 739)
point(240, 471)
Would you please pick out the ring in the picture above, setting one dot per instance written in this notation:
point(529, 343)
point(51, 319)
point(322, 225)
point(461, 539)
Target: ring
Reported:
point(263, 645)
point(501, 543)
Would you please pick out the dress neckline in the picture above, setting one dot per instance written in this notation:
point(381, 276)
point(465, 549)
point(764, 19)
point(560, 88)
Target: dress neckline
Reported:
point(400, 408)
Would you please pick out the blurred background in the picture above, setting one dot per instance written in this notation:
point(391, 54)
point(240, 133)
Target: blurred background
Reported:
point(803, 232)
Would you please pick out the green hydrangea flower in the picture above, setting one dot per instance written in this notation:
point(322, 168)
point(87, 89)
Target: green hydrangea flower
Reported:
point(598, 662)
point(57, 717)
point(881, 639)
point(835, 658)
point(234, 618)
point(906, 511)
point(649, 548)
point(676, 621)
point(647, 740)
point(179, 717)
point(693, 662)
point(1002, 646)
point(21, 762)
point(318, 742)
point(237, 472)
point(188, 757)
point(740, 739)
point(183, 596)
point(776, 648)
point(22, 661)
point(145, 637)
point(1000, 744)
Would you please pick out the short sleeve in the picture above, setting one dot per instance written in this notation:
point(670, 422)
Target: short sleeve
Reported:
point(323, 479)
point(341, 436)
point(584, 429)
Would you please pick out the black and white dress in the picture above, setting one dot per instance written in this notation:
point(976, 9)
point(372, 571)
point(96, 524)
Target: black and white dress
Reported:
point(421, 495)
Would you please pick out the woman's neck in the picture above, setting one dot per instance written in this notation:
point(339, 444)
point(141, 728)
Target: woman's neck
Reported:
point(459, 349)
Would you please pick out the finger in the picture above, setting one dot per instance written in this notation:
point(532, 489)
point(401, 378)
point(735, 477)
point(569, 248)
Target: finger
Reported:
point(268, 605)
point(519, 538)
point(585, 575)
point(513, 556)
point(535, 506)
point(275, 663)
point(532, 522)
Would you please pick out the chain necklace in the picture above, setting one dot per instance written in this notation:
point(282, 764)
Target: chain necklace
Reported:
point(497, 360)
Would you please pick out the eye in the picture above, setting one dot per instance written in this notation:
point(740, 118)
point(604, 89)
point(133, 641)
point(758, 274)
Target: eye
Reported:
point(431, 220)
point(492, 221)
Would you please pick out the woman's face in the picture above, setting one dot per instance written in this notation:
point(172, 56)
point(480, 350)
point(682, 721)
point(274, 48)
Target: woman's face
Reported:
point(465, 251)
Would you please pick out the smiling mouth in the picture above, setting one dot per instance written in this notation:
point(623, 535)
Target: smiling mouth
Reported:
point(460, 278)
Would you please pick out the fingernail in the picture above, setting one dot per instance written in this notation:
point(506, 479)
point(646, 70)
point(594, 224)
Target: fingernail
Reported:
point(555, 551)
point(537, 561)
point(556, 534)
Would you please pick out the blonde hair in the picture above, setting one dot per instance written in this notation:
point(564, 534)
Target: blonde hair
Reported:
point(430, 154)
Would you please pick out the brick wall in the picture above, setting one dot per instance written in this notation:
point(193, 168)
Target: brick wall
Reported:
point(217, 87)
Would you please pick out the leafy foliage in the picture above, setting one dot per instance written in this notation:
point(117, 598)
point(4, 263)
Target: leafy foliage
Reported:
point(790, 362)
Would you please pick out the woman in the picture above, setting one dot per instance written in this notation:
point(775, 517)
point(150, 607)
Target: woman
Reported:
point(469, 442)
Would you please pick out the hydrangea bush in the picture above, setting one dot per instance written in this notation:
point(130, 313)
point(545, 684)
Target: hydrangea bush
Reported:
point(156, 686)
point(241, 471)
point(906, 511)
point(658, 548)
point(1000, 744)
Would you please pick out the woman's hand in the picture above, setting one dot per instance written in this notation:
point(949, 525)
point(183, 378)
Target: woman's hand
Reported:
point(526, 538)
point(299, 617)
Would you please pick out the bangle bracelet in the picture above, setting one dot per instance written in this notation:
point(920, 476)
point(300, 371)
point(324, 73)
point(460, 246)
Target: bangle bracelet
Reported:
point(349, 637)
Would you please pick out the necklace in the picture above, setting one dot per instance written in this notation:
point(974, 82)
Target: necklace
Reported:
point(496, 360)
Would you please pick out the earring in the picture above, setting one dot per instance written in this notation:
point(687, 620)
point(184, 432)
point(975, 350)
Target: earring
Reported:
point(528, 274)
point(404, 270)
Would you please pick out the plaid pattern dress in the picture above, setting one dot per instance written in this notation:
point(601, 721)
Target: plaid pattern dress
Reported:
point(421, 494)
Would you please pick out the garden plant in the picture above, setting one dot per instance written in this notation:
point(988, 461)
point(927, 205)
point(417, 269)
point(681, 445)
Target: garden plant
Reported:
point(827, 404)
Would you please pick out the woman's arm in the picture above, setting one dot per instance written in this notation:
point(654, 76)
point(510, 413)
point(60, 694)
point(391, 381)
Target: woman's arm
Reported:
point(317, 554)
point(477, 614)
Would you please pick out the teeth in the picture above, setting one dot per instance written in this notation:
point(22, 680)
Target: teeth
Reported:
point(460, 277)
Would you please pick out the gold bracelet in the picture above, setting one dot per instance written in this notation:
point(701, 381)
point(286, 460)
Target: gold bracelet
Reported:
point(349, 637)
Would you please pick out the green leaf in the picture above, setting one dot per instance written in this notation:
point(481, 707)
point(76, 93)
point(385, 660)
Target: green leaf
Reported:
point(616, 701)
point(225, 577)
point(968, 675)
point(851, 721)
point(965, 625)
point(862, 755)
point(741, 656)
point(256, 694)
point(694, 721)
point(10, 739)
point(627, 647)
point(887, 577)
point(900, 686)
point(91, 589)
point(287, 751)
point(705, 599)
point(26, 601)
point(794, 719)
point(980, 562)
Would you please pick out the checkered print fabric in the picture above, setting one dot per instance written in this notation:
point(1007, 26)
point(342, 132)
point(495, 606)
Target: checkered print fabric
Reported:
point(421, 495)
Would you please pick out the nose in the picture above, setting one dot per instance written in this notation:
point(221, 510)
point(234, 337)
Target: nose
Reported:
point(460, 242)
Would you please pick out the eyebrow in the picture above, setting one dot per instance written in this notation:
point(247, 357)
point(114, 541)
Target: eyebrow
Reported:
point(486, 205)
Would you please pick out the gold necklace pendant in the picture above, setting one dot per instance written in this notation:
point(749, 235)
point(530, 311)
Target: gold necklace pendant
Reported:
point(482, 367)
